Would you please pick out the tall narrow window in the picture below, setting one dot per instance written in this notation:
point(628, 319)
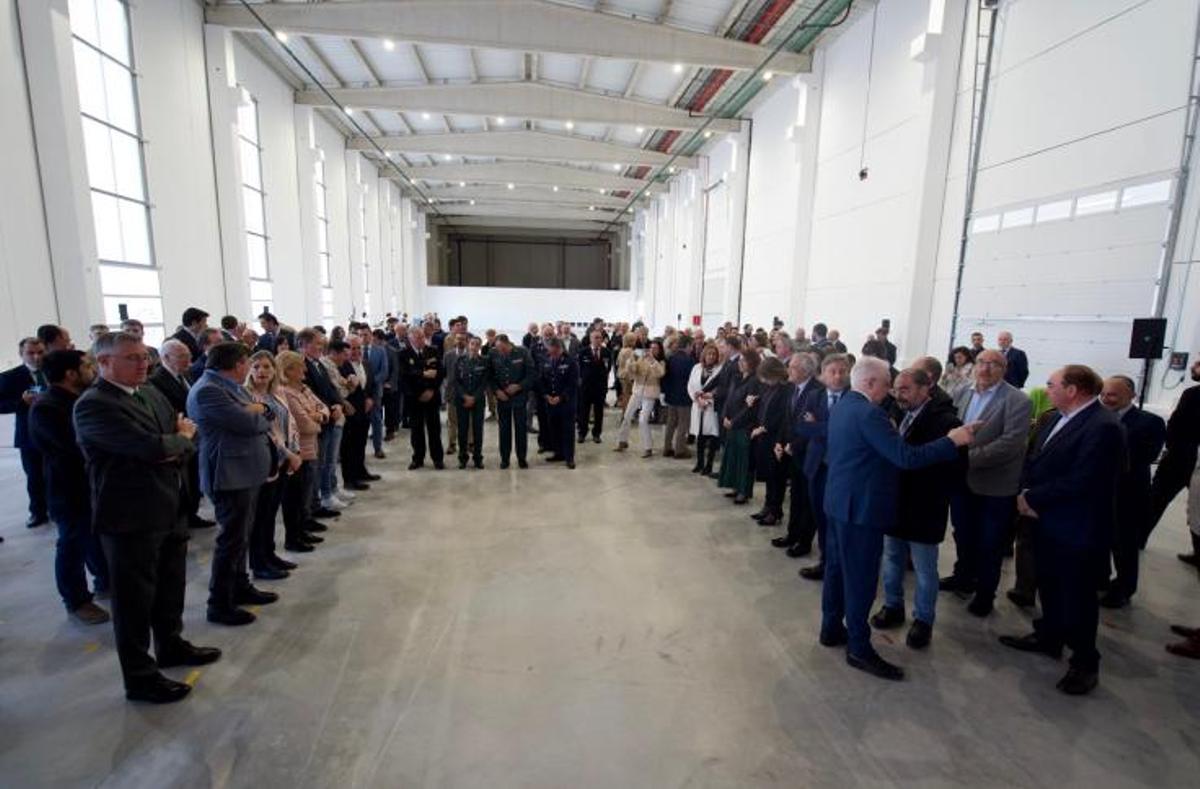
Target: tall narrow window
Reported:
point(112, 136)
point(254, 205)
point(320, 193)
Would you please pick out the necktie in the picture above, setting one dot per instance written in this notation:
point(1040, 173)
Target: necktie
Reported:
point(906, 423)
point(833, 398)
point(141, 400)
point(39, 378)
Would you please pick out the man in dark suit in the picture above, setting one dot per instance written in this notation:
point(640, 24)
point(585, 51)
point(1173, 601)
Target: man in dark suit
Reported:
point(171, 378)
point(192, 327)
point(678, 402)
point(135, 445)
point(558, 379)
point(270, 332)
point(813, 426)
point(19, 387)
point(1016, 371)
point(1174, 473)
point(1069, 489)
point(235, 460)
point(921, 509)
point(67, 493)
point(1144, 437)
point(422, 373)
point(595, 361)
point(311, 344)
point(801, 527)
point(393, 391)
point(865, 456)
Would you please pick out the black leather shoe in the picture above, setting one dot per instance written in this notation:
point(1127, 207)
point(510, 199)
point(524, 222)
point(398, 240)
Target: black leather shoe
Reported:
point(234, 617)
point(185, 654)
point(782, 542)
point(522, 464)
point(770, 520)
point(813, 573)
point(270, 574)
point(888, 618)
point(33, 521)
point(371, 477)
point(874, 664)
point(555, 459)
point(503, 464)
point(323, 512)
point(1189, 558)
point(439, 465)
point(571, 464)
point(595, 439)
point(1113, 599)
point(740, 500)
point(415, 465)
point(314, 526)
point(838, 638)
point(1031, 643)
point(252, 596)
point(158, 690)
point(313, 539)
point(759, 515)
point(581, 439)
point(462, 464)
point(919, 635)
point(196, 522)
point(356, 485)
point(952, 583)
point(1019, 599)
point(297, 547)
point(281, 563)
point(1078, 683)
point(979, 606)
point(1185, 631)
point(798, 550)
point(478, 464)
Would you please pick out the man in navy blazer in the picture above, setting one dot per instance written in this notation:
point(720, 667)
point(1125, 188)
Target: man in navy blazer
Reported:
point(235, 460)
point(802, 526)
point(18, 388)
point(1145, 434)
point(813, 426)
point(865, 456)
point(1069, 490)
point(1017, 370)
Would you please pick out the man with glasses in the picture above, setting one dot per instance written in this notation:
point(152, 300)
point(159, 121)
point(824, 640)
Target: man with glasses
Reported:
point(136, 447)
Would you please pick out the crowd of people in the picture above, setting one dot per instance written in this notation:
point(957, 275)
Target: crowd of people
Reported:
point(121, 443)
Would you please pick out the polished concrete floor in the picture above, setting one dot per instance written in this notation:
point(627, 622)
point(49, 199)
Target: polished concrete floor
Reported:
point(620, 625)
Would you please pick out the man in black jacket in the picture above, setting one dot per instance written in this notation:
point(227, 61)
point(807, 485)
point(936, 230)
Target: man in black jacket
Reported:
point(922, 507)
point(595, 361)
point(792, 446)
point(192, 327)
point(1175, 471)
point(19, 387)
point(1144, 437)
point(135, 446)
point(69, 373)
point(311, 345)
point(422, 373)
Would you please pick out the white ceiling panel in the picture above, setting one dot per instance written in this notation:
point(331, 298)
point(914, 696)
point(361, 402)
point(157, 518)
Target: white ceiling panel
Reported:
point(560, 69)
point(345, 64)
point(445, 63)
point(704, 16)
point(397, 65)
point(658, 82)
point(497, 64)
point(609, 75)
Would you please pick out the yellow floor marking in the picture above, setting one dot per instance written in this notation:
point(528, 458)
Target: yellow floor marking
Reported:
point(191, 678)
point(91, 647)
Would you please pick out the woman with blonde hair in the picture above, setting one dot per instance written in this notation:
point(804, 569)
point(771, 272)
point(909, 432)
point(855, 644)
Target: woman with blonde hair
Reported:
point(262, 385)
point(624, 368)
point(308, 414)
point(648, 369)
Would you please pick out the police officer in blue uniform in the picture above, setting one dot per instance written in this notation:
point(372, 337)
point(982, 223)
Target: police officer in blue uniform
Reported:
point(511, 376)
point(558, 382)
point(470, 381)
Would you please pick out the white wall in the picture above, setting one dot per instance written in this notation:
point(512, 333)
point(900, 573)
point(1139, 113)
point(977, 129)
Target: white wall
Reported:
point(511, 309)
point(26, 285)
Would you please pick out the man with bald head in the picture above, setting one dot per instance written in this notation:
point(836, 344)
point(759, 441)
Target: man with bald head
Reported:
point(1017, 370)
point(983, 512)
point(1145, 434)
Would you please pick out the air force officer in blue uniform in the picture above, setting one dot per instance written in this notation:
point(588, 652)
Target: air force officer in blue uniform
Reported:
point(865, 456)
point(558, 383)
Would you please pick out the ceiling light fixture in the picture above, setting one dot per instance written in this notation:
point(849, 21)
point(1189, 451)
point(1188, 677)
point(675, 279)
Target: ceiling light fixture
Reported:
point(424, 116)
point(281, 36)
point(591, 208)
point(640, 130)
point(671, 170)
point(767, 76)
point(472, 202)
point(677, 68)
point(446, 157)
point(707, 134)
point(617, 167)
point(512, 186)
point(570, 125)
point(462, 183)
point(388, 44)
point(500, 121)
point(349, 110)
point(556, 188)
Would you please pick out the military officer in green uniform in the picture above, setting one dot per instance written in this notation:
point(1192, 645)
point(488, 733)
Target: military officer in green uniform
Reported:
point(511, 375)
point(470, 393)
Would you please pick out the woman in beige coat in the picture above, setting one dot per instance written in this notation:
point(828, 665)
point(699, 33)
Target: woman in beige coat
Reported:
point(647, 371)
point(624, 368)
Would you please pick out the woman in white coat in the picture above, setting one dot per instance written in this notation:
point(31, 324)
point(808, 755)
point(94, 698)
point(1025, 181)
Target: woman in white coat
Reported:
point(705, 420)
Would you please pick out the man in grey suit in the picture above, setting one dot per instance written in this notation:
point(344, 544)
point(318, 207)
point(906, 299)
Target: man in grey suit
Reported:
point(235, 460)
point(984, 510)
